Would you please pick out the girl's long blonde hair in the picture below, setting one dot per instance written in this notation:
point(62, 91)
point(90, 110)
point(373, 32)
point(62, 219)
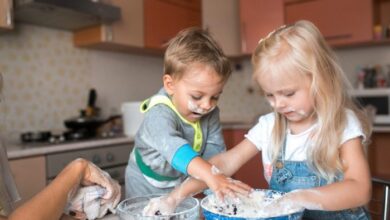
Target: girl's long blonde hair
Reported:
point(300, 48)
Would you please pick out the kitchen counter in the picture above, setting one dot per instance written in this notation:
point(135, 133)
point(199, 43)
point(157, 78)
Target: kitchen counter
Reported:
point(17, 150)
point(381, 129)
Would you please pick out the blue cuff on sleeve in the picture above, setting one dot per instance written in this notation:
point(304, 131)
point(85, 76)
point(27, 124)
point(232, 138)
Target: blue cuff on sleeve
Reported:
point(183, 157)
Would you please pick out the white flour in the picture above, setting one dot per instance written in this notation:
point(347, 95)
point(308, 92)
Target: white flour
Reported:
point(259, 204)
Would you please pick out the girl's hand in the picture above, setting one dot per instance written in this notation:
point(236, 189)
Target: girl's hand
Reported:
point(297, 199)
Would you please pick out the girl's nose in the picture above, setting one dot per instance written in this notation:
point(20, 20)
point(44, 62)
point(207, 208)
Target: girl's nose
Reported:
point(279, 103)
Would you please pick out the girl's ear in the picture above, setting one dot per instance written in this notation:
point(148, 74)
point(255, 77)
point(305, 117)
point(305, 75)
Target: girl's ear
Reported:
point(169, 84)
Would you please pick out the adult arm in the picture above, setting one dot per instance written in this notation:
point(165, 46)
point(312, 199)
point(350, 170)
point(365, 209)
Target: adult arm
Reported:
point(50, 202)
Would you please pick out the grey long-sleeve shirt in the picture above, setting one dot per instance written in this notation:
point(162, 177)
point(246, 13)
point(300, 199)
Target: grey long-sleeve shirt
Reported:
point(162, 133)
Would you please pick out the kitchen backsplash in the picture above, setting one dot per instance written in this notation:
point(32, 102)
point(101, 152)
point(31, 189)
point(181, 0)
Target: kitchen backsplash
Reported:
point(47, 79)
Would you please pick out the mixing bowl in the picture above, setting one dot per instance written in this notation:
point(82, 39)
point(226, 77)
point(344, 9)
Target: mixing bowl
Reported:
point(131, 209)
point(213, 210)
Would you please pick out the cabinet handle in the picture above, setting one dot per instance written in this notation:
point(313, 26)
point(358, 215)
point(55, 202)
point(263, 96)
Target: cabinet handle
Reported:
point(108, 34)
point(337, 37)
point(9, 19)
point(291, 2)
point(9, 15)
point(243, 39)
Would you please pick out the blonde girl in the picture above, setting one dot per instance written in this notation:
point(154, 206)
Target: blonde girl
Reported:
point(312, 144)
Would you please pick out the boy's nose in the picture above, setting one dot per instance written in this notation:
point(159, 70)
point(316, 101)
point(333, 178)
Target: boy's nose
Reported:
point(206, 105)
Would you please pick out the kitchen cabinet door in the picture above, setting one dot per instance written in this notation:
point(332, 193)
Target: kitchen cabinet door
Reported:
point(29, 175)
point(252, 172)
point(340, 21)
point(378, 157)
point(163, 19)
point(123, 34)
point(258, 18)
point(221, 18)
point(6, 20)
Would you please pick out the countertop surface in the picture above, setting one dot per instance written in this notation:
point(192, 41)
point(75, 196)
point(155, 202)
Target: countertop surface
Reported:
point(18, 150)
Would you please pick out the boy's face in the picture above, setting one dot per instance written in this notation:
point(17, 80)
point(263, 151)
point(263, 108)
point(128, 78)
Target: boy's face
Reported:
point(196, 93)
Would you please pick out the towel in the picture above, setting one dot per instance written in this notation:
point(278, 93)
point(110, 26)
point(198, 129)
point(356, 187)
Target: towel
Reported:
point(89, 200)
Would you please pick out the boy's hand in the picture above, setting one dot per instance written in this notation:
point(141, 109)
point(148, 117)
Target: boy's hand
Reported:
point(225, 186)
point(164, 205)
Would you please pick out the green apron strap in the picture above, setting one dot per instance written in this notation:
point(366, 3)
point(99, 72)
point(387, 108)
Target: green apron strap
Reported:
point(198, 136)
point(145, 169)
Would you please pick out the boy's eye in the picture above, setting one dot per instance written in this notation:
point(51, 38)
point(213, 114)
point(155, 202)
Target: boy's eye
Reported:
point(196, 97)
point(215, 98)
point(268, 95)
point(290, 94)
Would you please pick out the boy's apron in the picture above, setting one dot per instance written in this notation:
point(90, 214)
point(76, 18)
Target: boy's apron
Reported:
point(290, 175)
point(198, 136)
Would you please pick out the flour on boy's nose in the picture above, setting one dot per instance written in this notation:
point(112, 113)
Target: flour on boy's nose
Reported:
point(196, 109)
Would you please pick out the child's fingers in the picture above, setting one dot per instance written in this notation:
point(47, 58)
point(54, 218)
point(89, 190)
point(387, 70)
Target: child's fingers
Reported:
point(240, 187)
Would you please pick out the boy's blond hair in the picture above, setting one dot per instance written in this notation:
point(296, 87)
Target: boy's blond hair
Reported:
point(191, 46)
point(300, 48)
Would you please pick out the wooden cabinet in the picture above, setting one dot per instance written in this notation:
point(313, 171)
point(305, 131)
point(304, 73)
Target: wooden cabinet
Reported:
point(6, 20)
point(29, 175)
point(127, 32)
point(341, 22)
point(144, 24)
point(378, 157)
point(252, 172)
point(165, 18)
point(258, 18)
point(221, 18)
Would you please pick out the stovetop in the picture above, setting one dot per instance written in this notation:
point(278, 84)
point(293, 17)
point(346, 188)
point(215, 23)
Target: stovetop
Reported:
point(47, 138)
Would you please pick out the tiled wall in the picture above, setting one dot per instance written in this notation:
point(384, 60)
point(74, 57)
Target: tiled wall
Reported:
point(47, 80)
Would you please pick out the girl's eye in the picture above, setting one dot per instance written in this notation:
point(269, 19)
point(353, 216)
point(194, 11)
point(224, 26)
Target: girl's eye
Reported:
point(290, 94)
point(196, 97)
point(268, 95)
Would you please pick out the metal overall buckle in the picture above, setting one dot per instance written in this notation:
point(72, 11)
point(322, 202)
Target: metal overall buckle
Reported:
point(282, 173)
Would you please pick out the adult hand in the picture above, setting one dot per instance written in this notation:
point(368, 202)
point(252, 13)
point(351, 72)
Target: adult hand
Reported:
point(94, 175)
point(164, 205)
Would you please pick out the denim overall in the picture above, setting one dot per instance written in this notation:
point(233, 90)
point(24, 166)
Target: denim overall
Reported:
point(291, 175)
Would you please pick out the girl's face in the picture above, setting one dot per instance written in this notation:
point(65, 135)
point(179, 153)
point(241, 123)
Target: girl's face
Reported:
point(196, 93)
point(289, 96)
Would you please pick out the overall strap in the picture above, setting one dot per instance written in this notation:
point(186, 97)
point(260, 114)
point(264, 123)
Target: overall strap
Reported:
point(162, 99)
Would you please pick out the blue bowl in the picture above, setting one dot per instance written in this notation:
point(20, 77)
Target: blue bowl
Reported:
point(209, 215)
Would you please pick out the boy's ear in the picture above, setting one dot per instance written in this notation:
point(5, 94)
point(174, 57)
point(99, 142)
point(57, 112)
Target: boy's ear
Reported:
point(169, 85)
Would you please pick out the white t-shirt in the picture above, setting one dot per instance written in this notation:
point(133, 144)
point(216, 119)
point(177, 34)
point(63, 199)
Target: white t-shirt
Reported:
point(296, 144)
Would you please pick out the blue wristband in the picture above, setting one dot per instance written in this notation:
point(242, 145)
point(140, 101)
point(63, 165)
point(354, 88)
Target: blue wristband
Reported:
point(183, 157)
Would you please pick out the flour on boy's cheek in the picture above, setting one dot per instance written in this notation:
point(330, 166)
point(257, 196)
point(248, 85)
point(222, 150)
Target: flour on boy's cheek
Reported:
point(198, 110)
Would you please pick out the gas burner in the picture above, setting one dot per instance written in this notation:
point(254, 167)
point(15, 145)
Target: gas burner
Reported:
point(40, 136)
point(47, 137)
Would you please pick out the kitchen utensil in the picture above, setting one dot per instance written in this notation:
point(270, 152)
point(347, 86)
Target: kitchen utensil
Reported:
point(83, 121)
point(131, 209)
point(132, 117)
point(218, 212)
point(90, 110)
